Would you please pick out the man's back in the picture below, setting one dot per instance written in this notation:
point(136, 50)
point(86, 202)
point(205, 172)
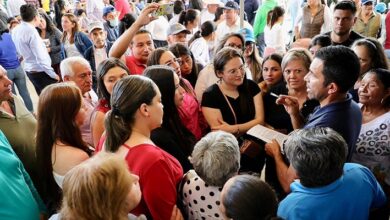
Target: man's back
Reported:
point(344, 117)
point(349, 197)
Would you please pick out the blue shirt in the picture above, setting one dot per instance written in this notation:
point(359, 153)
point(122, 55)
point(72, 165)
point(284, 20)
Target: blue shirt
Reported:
point(19, 198)
point(8, 57)
point(31, 46)
point(349, 198)
point(344, 117)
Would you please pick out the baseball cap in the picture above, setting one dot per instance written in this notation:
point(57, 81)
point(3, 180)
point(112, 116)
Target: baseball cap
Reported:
point(380, 7)
point(108, 9)
point(231, 5)
point(176, 29)
point(94, 25)
point(248, 35)
point(367, 1)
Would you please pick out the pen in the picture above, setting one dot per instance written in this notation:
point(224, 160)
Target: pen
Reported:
point(274, 95)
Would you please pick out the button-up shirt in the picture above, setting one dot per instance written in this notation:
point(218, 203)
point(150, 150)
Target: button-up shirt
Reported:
point(31, 46)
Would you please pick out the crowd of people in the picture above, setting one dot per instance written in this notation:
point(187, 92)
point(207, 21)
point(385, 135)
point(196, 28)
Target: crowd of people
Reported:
point(144, 115)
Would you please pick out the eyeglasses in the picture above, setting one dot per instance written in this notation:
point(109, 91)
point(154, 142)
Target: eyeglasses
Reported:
point(236, 70)
point(175, 60)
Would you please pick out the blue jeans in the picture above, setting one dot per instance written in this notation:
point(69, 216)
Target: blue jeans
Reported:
point(18, 77)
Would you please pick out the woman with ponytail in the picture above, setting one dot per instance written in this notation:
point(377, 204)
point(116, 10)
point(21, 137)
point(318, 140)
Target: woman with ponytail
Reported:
point(273, 32)
point(190, 19)
point(202, 43)
point(136, 110)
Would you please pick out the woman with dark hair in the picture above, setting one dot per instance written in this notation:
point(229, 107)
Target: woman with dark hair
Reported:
point(373, 144)
point(189, 67)
point(207, 76)
point(234, 103)
point(319, 42)
point(136, 110)
point(59, 143)
point(202, 43)
point(190, 19)
point(52, 38)
point(108, 73)
point(371, 56)
point(74, 42)
point(273, 32)
point(172, 136)
point(247, 197)
point(59, 11)
point(219, 16)
point(189, 112)
point(10, 62)
point(251, 55)
point(196, 5)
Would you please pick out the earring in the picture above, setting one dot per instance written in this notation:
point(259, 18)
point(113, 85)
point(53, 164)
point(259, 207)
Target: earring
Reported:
point(382, 101)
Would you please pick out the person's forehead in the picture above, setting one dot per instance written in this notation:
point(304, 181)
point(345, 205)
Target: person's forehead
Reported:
point(143, 37)
point(97, 31)
point(181, 34)
point(342, 13)
point(80, 68)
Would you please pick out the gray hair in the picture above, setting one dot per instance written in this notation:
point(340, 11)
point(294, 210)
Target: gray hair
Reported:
point(317, 154)
point(297, 54)
point(216, 157)
point(67, 64)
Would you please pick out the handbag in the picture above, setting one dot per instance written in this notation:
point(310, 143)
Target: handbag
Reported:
point(248, 147)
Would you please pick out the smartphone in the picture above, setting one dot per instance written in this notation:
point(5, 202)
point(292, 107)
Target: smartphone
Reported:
point(164, 9)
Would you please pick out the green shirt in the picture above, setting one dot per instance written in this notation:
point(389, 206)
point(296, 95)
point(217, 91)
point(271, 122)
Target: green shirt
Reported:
point(261, 16)
point(20, 131)
point(19, 198)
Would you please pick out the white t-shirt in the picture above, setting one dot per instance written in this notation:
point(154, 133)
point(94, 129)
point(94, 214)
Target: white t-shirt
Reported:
point(205, 15)
point(223, 28)
point(274, 38)
point(158, 28)
point(200, 50)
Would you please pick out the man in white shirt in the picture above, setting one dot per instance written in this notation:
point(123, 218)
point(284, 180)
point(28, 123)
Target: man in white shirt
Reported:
point(94, 9)
point(231, 22)
point(37, 62)
point(208, 14)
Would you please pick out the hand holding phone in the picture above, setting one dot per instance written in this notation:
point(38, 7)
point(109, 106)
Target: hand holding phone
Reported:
point(163, 9)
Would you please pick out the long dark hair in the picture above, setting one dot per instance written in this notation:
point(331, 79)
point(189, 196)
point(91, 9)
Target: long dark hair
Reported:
point(187, 16)
point(57, 109)
point(163, 76)
point(206, 29)
point(128, 95)
point(49, 24)
point(220, 60)
point(274, 15)
point(102, 70)
point(182, 50)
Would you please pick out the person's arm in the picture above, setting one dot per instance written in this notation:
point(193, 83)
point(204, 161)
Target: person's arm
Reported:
point(291, 105)
point(201, 82)
point(97, 127)
point(159, 190)
point(285, 178)
point(122, 43)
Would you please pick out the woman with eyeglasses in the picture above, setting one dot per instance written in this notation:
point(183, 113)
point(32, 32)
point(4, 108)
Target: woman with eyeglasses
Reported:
point(207, 77)
point(189, 112)
point(233, 104)
point(189, 67)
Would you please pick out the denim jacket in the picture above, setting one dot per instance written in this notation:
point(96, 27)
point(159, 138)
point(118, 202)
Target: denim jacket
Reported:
point(81, 41)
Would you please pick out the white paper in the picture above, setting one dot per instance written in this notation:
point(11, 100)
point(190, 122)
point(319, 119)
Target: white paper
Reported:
point(265, 134)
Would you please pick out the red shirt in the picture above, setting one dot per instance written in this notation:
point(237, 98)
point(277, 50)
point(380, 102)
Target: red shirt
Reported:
point(135, 66)
point(387, 40)
point(159, 174)
point(123, 7)
point(103, 106)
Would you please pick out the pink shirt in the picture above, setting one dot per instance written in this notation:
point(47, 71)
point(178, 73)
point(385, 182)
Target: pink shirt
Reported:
point(123, 7)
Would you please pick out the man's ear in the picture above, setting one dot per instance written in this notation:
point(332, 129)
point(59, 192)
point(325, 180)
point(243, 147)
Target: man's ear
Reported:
point(333, 88)
point(66, 78)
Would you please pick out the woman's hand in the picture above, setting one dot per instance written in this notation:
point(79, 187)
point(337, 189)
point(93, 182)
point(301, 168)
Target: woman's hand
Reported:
point(223, 126)
point(290, 103)
point(273, 149)
point(145, 16)
point(176, 214)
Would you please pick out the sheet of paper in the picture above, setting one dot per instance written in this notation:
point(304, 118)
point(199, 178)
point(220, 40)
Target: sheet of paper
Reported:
point(265, 134)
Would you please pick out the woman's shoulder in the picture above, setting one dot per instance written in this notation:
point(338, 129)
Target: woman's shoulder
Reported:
point(71, 153)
